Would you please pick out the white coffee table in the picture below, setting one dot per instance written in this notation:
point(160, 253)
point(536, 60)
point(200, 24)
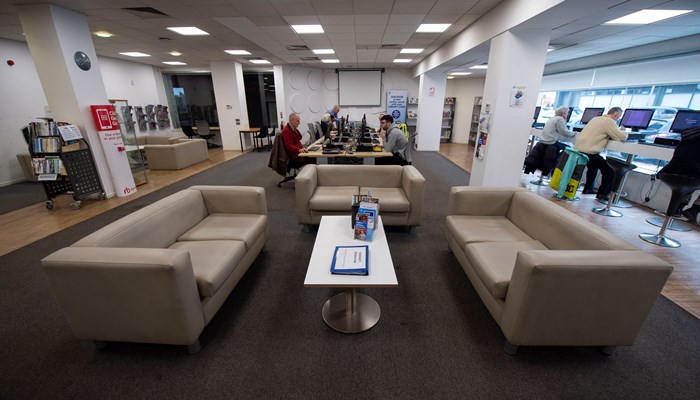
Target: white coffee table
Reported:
point(349, 312)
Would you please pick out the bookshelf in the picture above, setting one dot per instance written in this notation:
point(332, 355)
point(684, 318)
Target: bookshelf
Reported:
point(62, 161)
point(474, 125)
point(448, 114)
point(412, 114)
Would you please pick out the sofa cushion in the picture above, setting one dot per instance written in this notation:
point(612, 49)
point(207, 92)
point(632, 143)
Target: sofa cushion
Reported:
point(333, 198)
point(245, 227)
point(471, 228)
point(358, 175)
point(212, 261)
point(390, 199)
point(494, 262)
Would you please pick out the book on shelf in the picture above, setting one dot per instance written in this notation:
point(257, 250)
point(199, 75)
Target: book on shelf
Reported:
point(350, 260)
point(47, 165)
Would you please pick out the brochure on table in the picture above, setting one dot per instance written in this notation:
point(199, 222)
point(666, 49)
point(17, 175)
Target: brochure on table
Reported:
point(366, 218)
point(350, 260)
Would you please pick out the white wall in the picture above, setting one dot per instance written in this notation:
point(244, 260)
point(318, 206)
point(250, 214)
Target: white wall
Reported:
point(464, 89)
point(22, 101)
point(310, 92)
point(23, 98)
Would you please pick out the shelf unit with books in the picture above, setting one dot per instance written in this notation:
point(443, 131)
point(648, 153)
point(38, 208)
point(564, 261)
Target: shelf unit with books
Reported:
point(63, 166)
point(412, 114)
point(474, 124)
point(448, 115)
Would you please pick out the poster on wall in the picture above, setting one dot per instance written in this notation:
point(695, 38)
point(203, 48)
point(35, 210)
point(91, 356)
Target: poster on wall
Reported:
point(483, 135)
point(517, 96)
point(396, 104)
point(113, 145)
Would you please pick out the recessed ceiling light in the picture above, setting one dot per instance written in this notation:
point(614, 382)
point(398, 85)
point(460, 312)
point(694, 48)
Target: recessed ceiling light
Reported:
point(402, 60)
point(411, 51)
point(460, 73)
point(450, 77)
point(187, 30)
point(174, 63)
point(482, 66)
point(323, 51)
point(103, 34)
point(303, 29)
point(433, 28)
point(135, 54)
point(550, 49)
point(175, 53)
point(647, 17)
point(330, 61)
point(238, 52)
point(202, 72)
point(259, 61)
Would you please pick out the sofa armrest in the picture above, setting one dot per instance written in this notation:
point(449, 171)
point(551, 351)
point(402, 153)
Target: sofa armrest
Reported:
point(161, 156)
point(304, 187)
point(480, 200)
point(577, 297)
point(127, 294)
point(413, 184)
point(233, 199)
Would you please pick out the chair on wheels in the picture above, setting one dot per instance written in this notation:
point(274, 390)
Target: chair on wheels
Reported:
point(262, 135)
point(280, 161)
point(621, 168)
point(189, 132)
point(681, 187)
point(203, 132)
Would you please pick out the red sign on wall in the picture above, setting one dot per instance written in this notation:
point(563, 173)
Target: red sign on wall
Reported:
point(105, 118)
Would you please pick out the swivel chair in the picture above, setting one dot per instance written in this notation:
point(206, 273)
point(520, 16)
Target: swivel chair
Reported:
point(621, 168)
point(188, 131)
point(681, 186)
point(203, 132)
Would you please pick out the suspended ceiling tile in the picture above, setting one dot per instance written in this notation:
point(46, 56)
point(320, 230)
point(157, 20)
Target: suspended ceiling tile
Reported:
point(363, 19)
point(368, 7)
point(412, 7)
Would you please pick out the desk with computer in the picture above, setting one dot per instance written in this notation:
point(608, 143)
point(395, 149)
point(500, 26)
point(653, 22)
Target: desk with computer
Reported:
point(348, 141)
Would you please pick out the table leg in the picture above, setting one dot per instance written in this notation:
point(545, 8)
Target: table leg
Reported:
point(240, 137)
point(351, 312)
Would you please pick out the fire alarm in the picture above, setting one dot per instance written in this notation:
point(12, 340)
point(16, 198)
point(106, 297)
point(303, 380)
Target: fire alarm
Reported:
point(10, 63)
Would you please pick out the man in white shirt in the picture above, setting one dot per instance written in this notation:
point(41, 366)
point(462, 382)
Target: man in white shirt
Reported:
point(555, 127)
point(591, 142)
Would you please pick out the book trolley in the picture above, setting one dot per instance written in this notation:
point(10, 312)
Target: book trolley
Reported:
point(64, 167)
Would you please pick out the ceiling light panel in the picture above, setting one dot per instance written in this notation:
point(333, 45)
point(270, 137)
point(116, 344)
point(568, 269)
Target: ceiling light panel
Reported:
point(187, 30)
point(323, 51)
point(174, 63)
point(411, 51)
point(135, 54)
point(307, 29)
point(238, 52)
point(259, 61)
point(644, 17)
point(482, 66)
point(460, 73)
point(330, 61)
point(432, 28)
point(402, 60)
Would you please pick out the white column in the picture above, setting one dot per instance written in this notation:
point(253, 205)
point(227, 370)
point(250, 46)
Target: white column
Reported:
point(231, 106)
point(280, 94)
point(431, 100)
point(54, 35)
point(515, 59)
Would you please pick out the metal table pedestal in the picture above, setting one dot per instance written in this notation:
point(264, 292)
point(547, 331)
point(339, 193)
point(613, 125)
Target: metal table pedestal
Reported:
point(351, 312)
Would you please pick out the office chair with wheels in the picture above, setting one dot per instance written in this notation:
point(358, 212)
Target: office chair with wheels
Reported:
point(262, 135)
point(280, 162)
point(188, 131)
point(203, 132)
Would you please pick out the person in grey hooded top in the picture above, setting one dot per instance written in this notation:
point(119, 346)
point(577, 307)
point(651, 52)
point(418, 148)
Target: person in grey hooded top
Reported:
point(395, 142)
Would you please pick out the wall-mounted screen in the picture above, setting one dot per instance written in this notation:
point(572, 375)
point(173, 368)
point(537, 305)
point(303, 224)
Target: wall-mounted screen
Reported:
point(359, 88)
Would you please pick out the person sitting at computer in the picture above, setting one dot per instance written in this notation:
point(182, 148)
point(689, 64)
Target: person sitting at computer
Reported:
point(333, 112)
point(395, 142)
point(555, 128)
point(292, 141)
point(591, 141)
point(326, 124)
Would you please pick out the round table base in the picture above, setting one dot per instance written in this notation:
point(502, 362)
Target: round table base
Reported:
point(345, 315)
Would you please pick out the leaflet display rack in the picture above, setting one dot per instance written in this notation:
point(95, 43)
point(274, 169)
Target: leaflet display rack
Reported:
point(63, 167)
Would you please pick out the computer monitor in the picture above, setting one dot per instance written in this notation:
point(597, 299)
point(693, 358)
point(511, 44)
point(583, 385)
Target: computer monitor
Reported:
point(363, 128)
point(685, 119)
point(637, 118)
point(537, 113)
point(568, 114)
point(591, 112)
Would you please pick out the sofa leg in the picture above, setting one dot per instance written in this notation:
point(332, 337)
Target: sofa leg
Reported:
point(100, 344)
point(608, 350)
point(194, 348)
point(305, 228)
point(510, 349)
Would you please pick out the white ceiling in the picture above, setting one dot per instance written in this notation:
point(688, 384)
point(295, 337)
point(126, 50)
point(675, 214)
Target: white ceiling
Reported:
point(355, 29)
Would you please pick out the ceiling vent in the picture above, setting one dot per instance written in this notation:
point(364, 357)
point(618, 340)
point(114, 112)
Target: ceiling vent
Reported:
point(164, 38)
point(145, 12)
point(295, 47)
point(391, 46)
point(309, 58)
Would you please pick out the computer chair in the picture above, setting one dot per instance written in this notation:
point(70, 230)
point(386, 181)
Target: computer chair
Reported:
point(409, 147)
point(203, 132)
point(282, 156)
point(262, 135)
point(189, 132)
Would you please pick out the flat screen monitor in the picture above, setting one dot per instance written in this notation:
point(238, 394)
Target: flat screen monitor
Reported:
point(637, 118)
point(685, 119)
point(537, 113)
point(568, 115)
point(591, 112)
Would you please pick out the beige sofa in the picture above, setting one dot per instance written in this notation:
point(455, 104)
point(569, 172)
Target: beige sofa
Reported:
point(143, 140)
point(160, 274)
point(328, 189)
point(547, 276)
point(178, 155)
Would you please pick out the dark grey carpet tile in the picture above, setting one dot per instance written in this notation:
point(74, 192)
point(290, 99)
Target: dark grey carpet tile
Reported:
point(435, 339)
point(20, 195)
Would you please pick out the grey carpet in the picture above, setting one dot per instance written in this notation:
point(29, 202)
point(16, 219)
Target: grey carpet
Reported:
point(435, 338)
point(20, 195)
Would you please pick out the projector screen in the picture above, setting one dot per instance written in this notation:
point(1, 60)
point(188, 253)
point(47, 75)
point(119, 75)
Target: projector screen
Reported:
point(359, 88)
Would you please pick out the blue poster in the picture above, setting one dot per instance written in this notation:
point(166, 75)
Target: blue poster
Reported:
point(396, 105)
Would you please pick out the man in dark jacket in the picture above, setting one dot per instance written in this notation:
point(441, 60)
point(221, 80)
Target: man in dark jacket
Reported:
point(686, 161)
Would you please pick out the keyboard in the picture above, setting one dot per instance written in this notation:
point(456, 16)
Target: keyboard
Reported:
point(331, 150)
point(314, 148)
